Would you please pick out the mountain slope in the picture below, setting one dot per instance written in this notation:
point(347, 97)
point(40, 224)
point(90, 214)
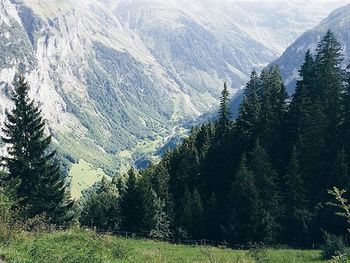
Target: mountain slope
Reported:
point(114, 78)
point(291, 60)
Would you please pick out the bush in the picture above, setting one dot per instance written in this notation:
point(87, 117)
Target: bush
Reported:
point(6, 217)
point(334, 246)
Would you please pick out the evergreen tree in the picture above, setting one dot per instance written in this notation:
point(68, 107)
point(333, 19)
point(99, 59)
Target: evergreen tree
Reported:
point(245, 216)
point(297, 216)
point(247, 123)
point(212, 219)
point(272, 116)
point(345, 117)
point(192, 216)
point(161, 229)
point(31, 166)
point(330, 79)
point(341, 171)
point(100, 207)
point(301, 99)
point(137, 205)
point(224, 122)
point(269, 197)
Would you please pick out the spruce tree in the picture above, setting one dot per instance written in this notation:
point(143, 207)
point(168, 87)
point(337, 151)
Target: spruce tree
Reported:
point(341, 171)
point(330, 79)
point(212, 219)
point(31, 165)
point(192, 215)
point(272, 116)
point(266, 181)
point(161, 228)
point(245, 215)
point(345, 117)
point(247, 123)
point(100, 207)
point(296, 215)
point(137, 205)
point(224, 122)
point(301, 99)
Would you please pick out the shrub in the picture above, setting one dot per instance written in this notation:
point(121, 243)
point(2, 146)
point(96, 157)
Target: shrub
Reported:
point(333, 246)
point(6, 217)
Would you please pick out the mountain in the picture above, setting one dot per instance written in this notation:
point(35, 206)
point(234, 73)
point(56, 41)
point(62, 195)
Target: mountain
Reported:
point(291, 60)
point(115, 79)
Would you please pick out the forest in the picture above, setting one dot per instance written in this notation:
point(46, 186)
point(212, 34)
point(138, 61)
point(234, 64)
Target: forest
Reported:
point(261, 178)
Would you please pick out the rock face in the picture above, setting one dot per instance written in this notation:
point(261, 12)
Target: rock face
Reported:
point(109, 74)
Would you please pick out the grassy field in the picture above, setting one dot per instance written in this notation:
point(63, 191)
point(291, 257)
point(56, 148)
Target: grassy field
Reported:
point(84, 175)
point(81, 246)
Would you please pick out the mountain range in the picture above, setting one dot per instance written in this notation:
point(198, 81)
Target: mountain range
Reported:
point(116, 79)
point(292, 58)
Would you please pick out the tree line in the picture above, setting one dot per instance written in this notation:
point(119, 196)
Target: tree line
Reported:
point(260, 178)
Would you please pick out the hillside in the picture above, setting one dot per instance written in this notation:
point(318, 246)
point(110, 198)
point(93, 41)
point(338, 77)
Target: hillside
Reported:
point(110, 75)
point(83, 247)
point(291, 60)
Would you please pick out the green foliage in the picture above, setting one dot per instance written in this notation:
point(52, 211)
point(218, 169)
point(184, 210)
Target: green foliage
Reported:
point(259, 253)
point(100, 207)
point(161, 228)
point(137, 205)
point(6, 216)
point(192, 215)
point(264, 176)
point(246, 205)
point(333, 246)
point(224, 111)
point(83, 246)
point(72, 247)
point(31, 166)
point(341, 203)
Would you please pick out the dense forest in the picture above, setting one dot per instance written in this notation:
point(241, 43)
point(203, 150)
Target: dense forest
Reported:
point(260, 178)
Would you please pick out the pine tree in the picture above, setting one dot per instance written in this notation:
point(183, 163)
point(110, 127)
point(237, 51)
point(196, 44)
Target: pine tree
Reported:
point(297, 216)
point(341, 171)
point(247, 123)
point(137, 205)
point(100, 207)
point(212, 219)
point(192, 216)
point(301, 99)
point(224, 122)
point(330, 79)
point(272, 116)
point(161, 229)
point(269, 196)
point(245, 216)
point(30, 164)
point(345, 117)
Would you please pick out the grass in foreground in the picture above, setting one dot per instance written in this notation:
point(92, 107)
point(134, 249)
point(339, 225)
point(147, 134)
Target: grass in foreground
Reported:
point(80, 246)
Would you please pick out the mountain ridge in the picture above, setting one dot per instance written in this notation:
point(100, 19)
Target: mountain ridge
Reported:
point(110, 76)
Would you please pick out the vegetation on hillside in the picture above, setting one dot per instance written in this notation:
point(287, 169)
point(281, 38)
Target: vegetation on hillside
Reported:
point(264, 176)
point(260, 179)
point(86, 246)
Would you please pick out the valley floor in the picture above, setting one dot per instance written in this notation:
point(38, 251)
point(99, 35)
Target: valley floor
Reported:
point(81, 246)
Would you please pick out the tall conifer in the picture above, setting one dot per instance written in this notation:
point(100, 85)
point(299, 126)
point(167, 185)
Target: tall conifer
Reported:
point(30, 163)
